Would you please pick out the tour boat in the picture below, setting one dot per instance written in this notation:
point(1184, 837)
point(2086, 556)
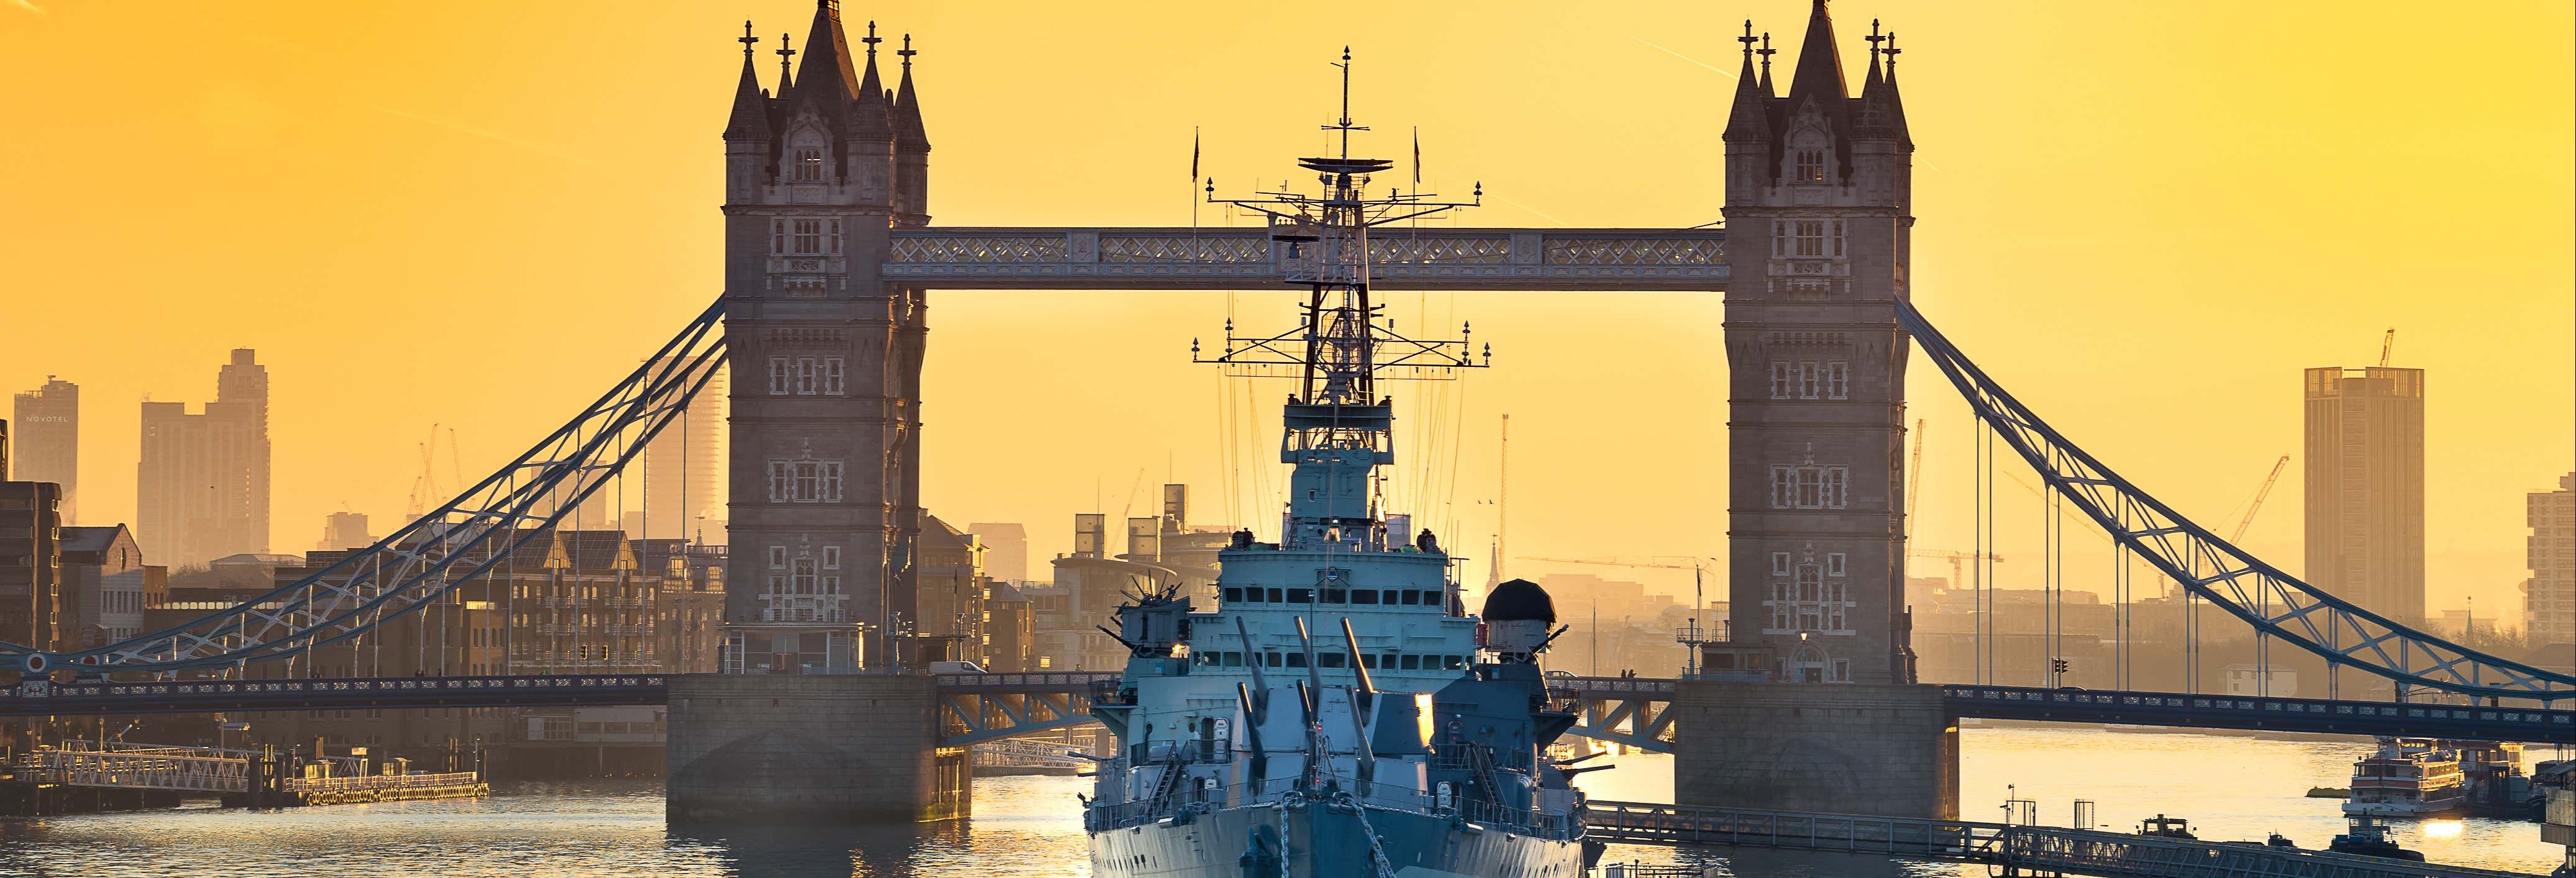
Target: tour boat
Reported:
point(2407, 777)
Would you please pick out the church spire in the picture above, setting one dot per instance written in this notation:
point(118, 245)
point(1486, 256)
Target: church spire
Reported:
point(750, 118)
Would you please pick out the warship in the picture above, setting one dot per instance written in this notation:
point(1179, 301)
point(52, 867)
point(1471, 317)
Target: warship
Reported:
point(1338, 712)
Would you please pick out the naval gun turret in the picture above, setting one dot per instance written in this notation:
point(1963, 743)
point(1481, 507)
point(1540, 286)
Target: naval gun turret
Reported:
point(1517, 617)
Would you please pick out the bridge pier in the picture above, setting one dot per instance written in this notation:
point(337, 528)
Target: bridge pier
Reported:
point(811, 749)
point(1887, 750)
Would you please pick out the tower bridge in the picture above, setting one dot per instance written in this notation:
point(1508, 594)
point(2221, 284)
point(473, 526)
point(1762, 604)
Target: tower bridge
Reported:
point(831, 257)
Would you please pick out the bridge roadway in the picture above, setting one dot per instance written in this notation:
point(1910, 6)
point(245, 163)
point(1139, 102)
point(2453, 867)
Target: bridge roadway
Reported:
point(2013, 849)
point(1623, 709)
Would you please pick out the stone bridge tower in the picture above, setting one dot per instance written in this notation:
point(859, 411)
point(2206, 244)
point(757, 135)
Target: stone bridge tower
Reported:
point(826, 425)
point(1818, 211)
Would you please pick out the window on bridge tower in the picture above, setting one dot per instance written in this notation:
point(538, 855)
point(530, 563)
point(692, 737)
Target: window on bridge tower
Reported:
point(1809, 486)
point(1811, 166)
point(809, 165)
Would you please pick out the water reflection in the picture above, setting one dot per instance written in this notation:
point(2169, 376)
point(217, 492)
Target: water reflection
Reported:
point(1028, 827)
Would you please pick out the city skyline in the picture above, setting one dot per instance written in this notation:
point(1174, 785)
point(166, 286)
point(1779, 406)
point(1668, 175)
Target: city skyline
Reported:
point(2185, 181)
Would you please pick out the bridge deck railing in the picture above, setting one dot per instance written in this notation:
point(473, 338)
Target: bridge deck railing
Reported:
point(2021, 847)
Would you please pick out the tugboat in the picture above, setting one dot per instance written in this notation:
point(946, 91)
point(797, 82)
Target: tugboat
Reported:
point(2367, 838)
point(1338, 713)
point(2161, 826)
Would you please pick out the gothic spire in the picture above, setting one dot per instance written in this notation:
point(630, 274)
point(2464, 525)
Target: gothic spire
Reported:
point(827, 58)
point(786, 58)
point(1766, 52)
point(1818, 83)
point(909, 132)
point(872, 118)
point(1747, 120)
point(1895, 98)
point(750, 119)
point(1873, 122)
point(1820, 67)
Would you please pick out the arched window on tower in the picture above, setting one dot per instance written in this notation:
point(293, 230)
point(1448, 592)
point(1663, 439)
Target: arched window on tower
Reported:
point(805, 155)
point(1807, 158)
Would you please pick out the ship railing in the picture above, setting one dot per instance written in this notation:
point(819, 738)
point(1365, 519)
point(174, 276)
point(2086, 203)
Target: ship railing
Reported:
point(1200, 750)
point(1397, 797)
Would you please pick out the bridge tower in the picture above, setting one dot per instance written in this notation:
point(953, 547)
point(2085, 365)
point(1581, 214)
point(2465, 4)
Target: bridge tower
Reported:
point(1818, 211)
point(825, 463)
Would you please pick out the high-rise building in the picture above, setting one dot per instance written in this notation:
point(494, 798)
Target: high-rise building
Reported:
point(201, 489)
point(1006, 550)
point(2549, 597)
point(345, 530)
point(1819, 218)
point(2365, 487)
point(683, 474)
point(46, 433)
point(31, 563)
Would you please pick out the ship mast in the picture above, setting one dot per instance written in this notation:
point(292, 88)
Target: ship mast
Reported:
point(1338, 428)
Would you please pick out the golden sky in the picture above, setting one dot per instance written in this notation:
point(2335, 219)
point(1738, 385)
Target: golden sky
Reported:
point(2144, 218)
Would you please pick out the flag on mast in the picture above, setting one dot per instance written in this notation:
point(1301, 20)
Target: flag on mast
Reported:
point(1194, 154)
point(1417, 157)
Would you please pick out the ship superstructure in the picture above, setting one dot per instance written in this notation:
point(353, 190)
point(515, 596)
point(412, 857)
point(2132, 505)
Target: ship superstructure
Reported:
point(1339, 712)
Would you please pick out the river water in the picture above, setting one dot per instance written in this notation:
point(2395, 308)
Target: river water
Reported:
point(2231, 788)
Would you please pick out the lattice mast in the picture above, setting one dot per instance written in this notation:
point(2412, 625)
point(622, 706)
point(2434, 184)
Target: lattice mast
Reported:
point(1338, 428)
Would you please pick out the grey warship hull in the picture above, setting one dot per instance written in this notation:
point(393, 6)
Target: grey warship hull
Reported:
point(1326, 841)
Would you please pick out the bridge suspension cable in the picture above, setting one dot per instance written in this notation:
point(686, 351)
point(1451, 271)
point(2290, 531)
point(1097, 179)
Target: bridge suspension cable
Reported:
point(424, 561)
point(2214, 569)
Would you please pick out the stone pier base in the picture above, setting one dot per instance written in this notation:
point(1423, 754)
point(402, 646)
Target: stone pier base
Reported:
point(1883, 750)
point(828, 749)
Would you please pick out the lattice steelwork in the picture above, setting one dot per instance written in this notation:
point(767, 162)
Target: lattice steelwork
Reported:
point(2274, 602)
point(1176, 248)
point(1659, 252)
point(1402, 258)
point(1009, 249)
point(1395, 247)
point(426, 559)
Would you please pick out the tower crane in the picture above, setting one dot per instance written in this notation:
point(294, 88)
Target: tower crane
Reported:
point(2277, 467)
point(1955, 559)
point(1913, 480)
point(2387, 345)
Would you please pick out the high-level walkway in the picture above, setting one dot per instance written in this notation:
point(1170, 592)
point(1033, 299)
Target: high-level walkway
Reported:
point(2011, 849)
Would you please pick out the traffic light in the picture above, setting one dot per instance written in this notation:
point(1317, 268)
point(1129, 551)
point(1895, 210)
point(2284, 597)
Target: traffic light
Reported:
point(2058, 665)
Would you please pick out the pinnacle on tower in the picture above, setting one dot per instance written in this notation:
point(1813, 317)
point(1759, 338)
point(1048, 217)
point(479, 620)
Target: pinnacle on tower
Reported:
point(871, 117)
point(1748, 119)
point(786, 58)
point(909, 131)
point(750, 118)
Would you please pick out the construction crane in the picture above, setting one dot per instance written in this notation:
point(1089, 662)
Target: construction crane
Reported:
point(2387, 345)
point(2284, 463)
point(1691, 638)
point(1955, 558)
point(1913, 480)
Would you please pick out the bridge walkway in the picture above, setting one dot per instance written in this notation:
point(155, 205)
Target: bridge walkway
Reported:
point(2022, 849)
